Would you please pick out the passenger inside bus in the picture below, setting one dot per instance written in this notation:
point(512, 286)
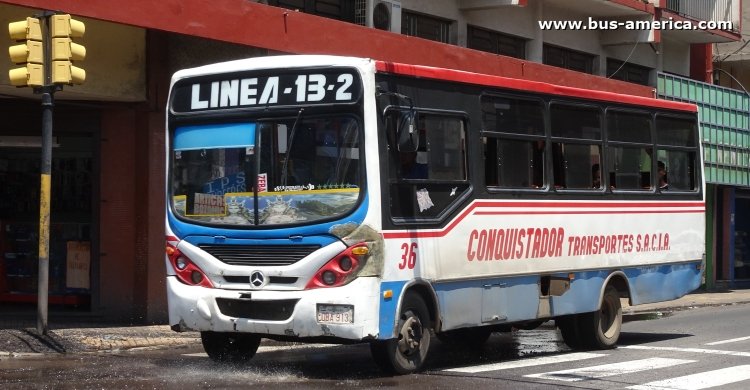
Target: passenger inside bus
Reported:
point(662, 170)
point(412, 166)
point(596, 176)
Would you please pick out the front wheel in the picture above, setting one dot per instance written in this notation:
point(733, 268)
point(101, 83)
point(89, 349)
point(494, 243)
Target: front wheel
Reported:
point(230, 347)
point(406, 353)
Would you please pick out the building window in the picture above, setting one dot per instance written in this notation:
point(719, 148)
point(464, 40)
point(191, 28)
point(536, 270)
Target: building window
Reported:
point(626, 71)
point(425, 26)
point(333, 9)
point(568, 59)
point(495, 42)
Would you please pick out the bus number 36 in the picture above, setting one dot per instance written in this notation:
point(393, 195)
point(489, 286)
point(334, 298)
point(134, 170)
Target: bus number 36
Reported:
point(408, 255)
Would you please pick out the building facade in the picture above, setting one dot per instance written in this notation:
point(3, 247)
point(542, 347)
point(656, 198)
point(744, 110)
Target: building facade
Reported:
point(732, 149)
point(108, 160)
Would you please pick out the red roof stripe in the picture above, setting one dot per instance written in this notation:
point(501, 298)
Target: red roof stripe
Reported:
point(526, 85)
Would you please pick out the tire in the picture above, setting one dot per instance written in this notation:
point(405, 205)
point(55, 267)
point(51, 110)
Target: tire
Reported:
point(408, 352)
point(595, 330)
point(606, 323)
point(230, 347)
point(465, 338)
point(569, 330)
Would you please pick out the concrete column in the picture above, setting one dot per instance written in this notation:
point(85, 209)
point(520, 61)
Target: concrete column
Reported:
point(535, 47)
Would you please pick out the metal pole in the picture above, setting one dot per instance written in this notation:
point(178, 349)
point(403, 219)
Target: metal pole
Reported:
point(44, 211)
point(48, 93)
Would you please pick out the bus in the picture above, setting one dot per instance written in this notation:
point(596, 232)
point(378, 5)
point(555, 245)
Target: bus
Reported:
point(350, 200)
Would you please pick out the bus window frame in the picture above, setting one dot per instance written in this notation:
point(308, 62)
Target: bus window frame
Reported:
point(493, 134)
point(697, 149)
point(651, 145)
point(600, 108)
point(392, 173)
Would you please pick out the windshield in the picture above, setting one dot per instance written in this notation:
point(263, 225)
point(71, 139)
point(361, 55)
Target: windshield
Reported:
point(216, 170)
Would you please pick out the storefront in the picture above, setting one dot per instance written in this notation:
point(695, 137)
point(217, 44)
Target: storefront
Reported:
point(734, 227)
point(72, 223)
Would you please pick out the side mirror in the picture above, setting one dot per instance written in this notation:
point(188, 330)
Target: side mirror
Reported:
point(408, 135)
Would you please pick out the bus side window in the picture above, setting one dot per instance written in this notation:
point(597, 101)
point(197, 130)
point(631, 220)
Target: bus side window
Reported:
point(629, 149)
point(513, 163)
point(576, 144)
point(426, 181)
point(515, 143)
point(677, 150)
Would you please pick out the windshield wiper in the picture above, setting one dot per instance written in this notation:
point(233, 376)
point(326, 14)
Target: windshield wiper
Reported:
point(284, 172)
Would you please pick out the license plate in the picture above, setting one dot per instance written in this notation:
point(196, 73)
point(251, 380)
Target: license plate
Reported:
point(336, 314)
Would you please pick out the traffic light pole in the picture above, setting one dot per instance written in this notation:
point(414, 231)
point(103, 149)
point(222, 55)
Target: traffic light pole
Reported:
point(45, 52)
point(45, 183)
point(44, 209)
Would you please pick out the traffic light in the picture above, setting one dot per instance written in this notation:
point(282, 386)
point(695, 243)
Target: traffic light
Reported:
point(29, 53)
point(62, 29)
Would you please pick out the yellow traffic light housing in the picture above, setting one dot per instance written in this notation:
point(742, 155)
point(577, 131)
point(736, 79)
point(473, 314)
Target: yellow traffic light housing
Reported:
point(25, 29)
point(29, 53)
point(62, 28)
point(63, 72)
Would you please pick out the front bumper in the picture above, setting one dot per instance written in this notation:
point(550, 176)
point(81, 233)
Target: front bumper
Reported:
point(196, 308)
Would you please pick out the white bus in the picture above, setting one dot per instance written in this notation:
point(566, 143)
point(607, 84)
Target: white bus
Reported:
point(337, 199)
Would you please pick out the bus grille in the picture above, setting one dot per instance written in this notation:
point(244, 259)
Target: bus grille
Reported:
point(279, 310)
point(259, 255)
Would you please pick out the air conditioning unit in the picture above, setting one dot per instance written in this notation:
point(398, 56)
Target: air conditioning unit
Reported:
point(380, 14)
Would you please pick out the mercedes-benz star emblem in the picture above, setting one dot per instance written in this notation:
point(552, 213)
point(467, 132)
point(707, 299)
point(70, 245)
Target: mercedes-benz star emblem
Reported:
point(257, 279)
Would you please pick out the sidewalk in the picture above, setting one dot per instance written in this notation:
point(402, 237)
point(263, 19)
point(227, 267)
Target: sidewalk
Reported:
point(79, 337)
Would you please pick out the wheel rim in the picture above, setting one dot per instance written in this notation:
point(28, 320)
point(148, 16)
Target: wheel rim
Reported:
point(410, 335)
point(607, 318)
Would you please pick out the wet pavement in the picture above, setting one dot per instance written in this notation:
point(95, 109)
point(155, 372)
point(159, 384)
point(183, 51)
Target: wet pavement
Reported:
point(19, 338)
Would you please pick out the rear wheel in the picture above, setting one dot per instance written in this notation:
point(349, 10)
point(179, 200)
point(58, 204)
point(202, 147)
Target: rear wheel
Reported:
point(408, 351)
point(230, 347)
point(605, 324)
point(569, 330)
point(595, 330)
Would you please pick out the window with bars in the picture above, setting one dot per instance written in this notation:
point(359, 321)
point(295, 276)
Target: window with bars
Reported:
point(568, 59)
point(425, 26)
point(495, 42)
point(626, 71)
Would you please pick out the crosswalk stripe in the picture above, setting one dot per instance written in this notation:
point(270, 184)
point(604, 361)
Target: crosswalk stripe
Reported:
point(729, 341)
point(605, 370)
point(703, 380)
point(690, 350)
point(527, 362)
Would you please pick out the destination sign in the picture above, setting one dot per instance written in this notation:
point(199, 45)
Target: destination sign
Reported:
point(246, 90)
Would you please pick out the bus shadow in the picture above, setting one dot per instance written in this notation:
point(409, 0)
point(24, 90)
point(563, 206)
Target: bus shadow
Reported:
point(637, 338)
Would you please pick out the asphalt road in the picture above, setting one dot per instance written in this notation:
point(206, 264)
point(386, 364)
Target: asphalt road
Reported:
point(699, 348)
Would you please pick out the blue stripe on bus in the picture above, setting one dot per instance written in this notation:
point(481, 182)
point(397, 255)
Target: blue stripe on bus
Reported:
point(664, 282)
point(513, 299)
point(388, 307)
point(215, 136)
